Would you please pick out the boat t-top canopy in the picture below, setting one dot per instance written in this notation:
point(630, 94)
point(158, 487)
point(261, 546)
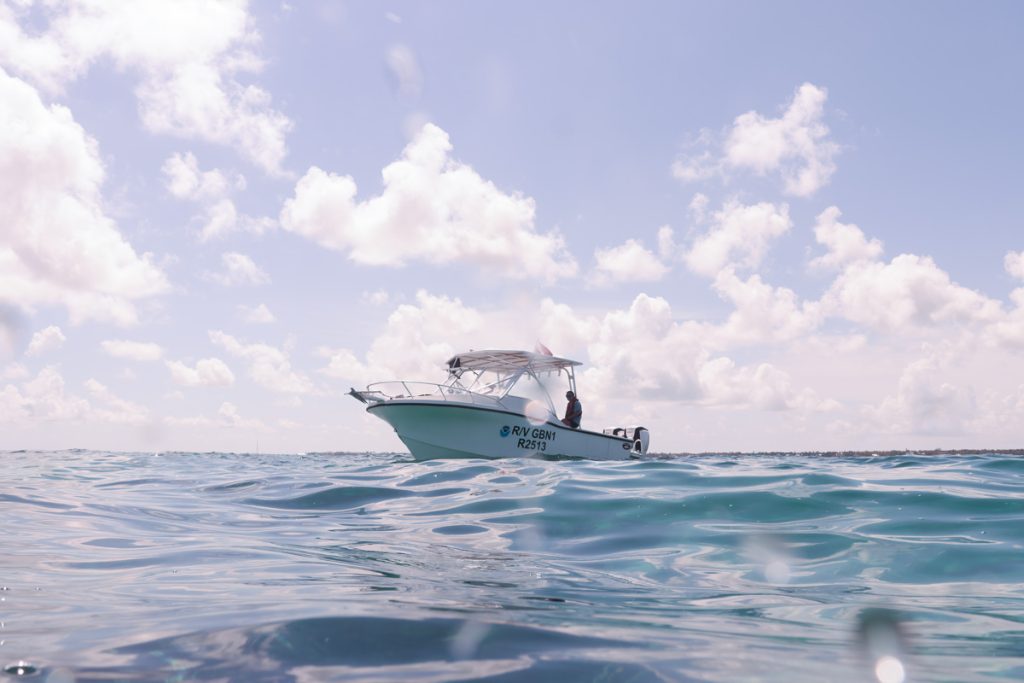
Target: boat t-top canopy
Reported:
point(509, 361)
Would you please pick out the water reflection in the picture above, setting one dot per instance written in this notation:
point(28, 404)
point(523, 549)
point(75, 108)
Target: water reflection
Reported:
point(367, 567)
point(352, 647)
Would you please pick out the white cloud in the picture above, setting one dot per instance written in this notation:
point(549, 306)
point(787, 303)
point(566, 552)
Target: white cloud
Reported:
point(1008, 330)
point(761, 314)
point(194, 101)
point(45, 399)
point(416, 341)
point(909, 292)
point(432, 208)
point(641, 353)
point(50, 181)
point(45, 340)
point(738, 237)
point(113, 409)
point(187, 55)
point(343, 364)
point(763, 387)
point(667, 247)
point(379, 297)
point(268, 366)
point(14, 371)
point(796, 145)
point(690, 169)
point(925, 402)
point(133, 350)
point(563, 330)
point(906, 296)
point(629, 262)
point(698, 207)
point(291, 401)
point(644, 353)
point(846, 243)
point(1014, 264)
point(405, 69)
point(227, 417)
point(42, 399)
point(649, 356)
point(186, 181)
point(694, 166)
point(208, 372)
point(999, 412)
point(257, 314)
point(220, 217)
point(239, 269)
point(393, 18)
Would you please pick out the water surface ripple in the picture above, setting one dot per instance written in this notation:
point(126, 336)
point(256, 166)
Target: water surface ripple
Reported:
point(206, 566)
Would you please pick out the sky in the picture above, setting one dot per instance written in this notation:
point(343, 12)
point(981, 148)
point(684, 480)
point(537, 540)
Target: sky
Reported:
point(760, 226)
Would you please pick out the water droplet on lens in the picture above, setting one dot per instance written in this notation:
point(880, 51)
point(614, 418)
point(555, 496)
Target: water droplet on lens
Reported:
point(468, 639)
point(889, 669)
point(20, 668)
point(884, 644)
point(771, 553)
point(777, 572)
point(61, 676)
point(536, 413)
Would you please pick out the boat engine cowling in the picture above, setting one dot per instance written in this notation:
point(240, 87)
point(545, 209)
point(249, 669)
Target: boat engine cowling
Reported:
point(641, 440)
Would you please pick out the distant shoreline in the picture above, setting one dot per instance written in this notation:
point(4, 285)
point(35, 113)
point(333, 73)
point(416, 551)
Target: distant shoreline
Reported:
point(916, 451)
point(649, 456)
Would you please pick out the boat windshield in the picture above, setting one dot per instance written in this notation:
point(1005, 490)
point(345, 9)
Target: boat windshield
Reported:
point(538, 388)
point(523, 383)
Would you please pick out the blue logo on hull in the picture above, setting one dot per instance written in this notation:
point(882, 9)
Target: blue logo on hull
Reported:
point(505, 431)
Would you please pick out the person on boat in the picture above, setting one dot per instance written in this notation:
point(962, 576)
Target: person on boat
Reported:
point(573, 411)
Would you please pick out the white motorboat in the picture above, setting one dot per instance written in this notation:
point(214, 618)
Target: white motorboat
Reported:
point(495, 404)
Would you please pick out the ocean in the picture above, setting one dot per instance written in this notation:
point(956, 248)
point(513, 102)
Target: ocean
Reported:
point(371, 567)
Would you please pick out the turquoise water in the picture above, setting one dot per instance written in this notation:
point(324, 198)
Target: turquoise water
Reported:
point(212, 567)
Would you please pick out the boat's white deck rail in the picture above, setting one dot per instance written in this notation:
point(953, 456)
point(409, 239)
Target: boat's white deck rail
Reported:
point(402, 389)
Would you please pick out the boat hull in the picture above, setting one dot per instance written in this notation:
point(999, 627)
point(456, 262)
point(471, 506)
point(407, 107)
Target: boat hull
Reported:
point(440, 429)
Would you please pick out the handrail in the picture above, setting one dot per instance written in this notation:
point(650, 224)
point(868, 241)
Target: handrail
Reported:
point(444, 391)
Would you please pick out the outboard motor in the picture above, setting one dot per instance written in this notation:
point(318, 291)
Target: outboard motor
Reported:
point(641, 440)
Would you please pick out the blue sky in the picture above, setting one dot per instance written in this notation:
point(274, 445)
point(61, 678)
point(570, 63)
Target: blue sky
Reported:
point(760, 226)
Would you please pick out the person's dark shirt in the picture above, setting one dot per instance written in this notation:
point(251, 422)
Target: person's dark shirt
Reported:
point(573, 413)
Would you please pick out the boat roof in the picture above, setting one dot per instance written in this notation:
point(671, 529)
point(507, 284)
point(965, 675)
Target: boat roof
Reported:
point(508, 361)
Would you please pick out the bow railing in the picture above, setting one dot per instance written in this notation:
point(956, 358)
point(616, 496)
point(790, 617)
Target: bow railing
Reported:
point(402, 389)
